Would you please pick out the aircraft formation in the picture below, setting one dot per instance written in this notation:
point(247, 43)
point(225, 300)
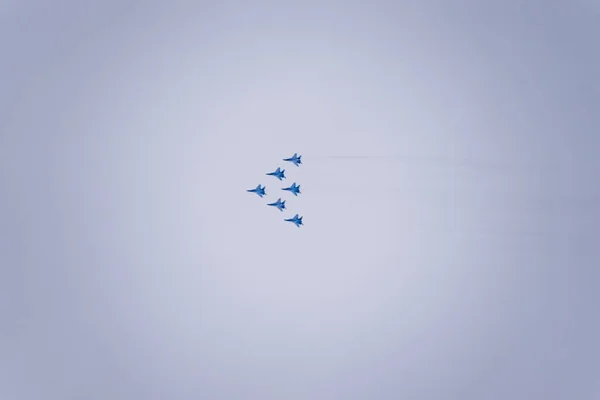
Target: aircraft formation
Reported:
point(294, 188)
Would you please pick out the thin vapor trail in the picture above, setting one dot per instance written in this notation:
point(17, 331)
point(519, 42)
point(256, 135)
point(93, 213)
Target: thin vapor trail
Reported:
point(433, 161)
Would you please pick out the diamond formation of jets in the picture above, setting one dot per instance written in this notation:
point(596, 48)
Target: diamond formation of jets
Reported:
point(258, 190)
point(279, 204)
point(294, 189)
point(296, 220)
point(295, 159)
point(278, 173)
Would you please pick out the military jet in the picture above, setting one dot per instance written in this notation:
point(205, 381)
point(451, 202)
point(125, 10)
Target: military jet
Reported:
point(295, 189)
point(258, 190)
point(279, 173)
point(296, 220)
point(279, 204)
point(296, 159)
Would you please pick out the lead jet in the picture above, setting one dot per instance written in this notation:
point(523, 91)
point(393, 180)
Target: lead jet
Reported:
point(258, 190)
point(279, 173)
point(279, 204)
point(296, 220)
point(296, 159)
point(295, 189)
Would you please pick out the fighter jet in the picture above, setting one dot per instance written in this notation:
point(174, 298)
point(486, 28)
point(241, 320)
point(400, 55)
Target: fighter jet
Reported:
point(279, 173)
point(296, 159)
point(296, 220)
point(259, 190)
point(279, 204)
point(295, 189)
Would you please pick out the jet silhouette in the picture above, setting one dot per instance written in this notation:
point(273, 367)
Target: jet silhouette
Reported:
point(296, 159)
point(279, 173)
point(294, 189)
point(259, 190)
point(279, 204)
point(296, 220)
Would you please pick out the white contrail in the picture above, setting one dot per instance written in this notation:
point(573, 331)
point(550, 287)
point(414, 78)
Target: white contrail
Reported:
point(434, 161)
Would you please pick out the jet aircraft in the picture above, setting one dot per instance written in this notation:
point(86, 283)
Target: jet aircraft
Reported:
point(258, 190)
point(296, 220)
point(295, 189)
point(279, 173)
point(279, 204)
point(296, 159)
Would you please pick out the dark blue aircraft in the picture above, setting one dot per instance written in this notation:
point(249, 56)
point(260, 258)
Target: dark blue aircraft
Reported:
point(279, 173)
point(295, 189)
point(259, 190)
point(296, 220)
point(296, 159)
point(279, 204)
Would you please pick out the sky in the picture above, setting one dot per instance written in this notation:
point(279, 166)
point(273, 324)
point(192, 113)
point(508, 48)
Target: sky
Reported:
point(450, 195)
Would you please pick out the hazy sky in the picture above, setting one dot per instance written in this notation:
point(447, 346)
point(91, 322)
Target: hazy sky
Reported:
point(451, 200)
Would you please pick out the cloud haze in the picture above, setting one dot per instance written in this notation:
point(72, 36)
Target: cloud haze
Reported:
point(450, 200)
